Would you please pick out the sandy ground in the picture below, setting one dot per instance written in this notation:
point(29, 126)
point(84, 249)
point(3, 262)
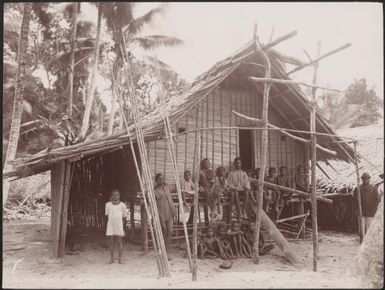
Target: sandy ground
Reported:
point(28, 263)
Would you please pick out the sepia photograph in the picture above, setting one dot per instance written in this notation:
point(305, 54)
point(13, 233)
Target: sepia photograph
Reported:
point(196, 145)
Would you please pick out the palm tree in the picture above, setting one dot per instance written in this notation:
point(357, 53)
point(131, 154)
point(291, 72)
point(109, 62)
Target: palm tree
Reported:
point(91, 91)
point(72, 58)
point(19, 90)
point(121, 22)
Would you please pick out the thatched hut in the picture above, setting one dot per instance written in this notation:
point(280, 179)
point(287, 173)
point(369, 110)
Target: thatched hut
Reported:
point(106, 163)
point(338, 179)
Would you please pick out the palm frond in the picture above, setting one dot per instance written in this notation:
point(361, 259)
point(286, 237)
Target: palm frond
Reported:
point(137, 24)
point(154, 41)
point(153, 62)
point(65, 55)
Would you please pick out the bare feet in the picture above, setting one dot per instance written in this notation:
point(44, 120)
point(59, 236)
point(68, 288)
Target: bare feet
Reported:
point(111, 261)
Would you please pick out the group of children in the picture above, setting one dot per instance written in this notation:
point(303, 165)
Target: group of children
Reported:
point(222, 187)
point(219, 189)
point(235, 241)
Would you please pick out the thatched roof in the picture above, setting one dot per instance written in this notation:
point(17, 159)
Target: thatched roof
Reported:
point(291, 104)
point(370, 148)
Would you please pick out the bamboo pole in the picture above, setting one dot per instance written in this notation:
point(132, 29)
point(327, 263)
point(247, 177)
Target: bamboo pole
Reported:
point(72, 59)
point(291, 190)
point(283, 131)
point(265, 106)
point(255, 128)
point(319, 58)
point(144, 159)
point(149, 212)
point(361, 232)
point(290, 82)
point(195, 207)
point(313, 165)
point(171, 149)
point(276, 235)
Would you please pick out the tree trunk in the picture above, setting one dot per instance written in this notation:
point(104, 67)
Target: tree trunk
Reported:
point(113, 102)
point(72, 60)
point(19, 90)
point(369, 263)
point(91, 92)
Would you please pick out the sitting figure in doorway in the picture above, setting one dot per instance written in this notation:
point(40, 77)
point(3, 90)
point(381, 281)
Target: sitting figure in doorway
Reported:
point(166, 209)
point(221, 191)
point(210, 246)
point(239, 183)
point(116, 213)
point(270, 194)
point(282, 196)
point(225, 242)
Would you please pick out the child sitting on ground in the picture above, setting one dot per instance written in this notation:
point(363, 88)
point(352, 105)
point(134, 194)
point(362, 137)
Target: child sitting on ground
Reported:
point(116, 213)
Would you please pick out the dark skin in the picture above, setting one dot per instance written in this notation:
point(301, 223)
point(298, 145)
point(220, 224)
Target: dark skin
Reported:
point(217, 199)
point(210, 246)
point(115, 199)
point(225, 243)
point(272, 173)
point(283, 173)
point(159, 183)
point(187, 176)
point(247, 249)
point(236, 235)
point(365, 180)
point(242, 213)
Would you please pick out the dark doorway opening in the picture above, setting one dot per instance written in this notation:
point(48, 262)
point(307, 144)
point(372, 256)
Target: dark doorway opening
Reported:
point(246, 148)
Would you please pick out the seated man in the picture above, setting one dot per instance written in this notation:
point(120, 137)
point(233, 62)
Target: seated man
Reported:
point(239, 183)
point(282, 196)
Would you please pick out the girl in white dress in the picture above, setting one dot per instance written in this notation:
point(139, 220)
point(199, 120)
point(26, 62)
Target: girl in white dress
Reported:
point(116, 214)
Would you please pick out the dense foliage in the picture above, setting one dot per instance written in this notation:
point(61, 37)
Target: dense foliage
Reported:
point(358, 106)
point(44, 121)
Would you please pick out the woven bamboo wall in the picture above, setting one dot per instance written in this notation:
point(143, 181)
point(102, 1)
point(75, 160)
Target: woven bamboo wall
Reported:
point(221, 146)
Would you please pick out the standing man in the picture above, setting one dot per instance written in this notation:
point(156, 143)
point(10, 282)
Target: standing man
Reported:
point(239, 183)
point(166, 209)
point(369, 201)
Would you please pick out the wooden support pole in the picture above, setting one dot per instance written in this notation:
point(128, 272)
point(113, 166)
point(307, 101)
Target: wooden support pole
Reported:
point(144, 223)
point(360, 230)
point(64, 212)
point(265, 106)
point(313, 166)
point(145, 179)
point(290, 82)
point(284, 131)
point(311, 63)
point(291, 190)
point(276, 235)
point(195, 206)
point(171, 148)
